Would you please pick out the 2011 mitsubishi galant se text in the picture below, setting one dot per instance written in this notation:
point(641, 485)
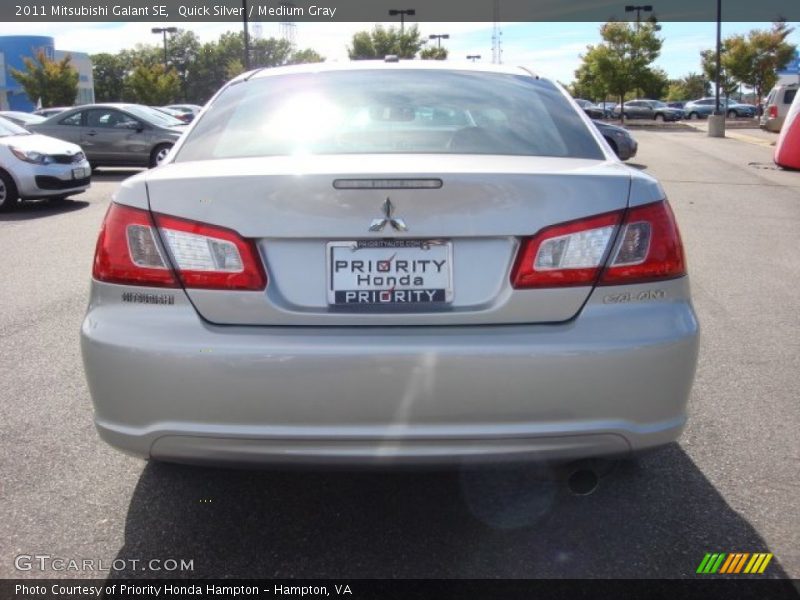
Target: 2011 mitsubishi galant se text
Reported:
point(409, 261)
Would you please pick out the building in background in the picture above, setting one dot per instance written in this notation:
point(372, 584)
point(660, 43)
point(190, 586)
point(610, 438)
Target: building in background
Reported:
point(791, 72)
point(14, 48)
point(83, 64)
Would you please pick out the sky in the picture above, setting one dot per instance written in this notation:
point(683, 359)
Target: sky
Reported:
point(550, 49)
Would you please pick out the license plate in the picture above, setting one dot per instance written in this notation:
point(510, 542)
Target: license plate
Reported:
point(79, 173)
point(390, 272)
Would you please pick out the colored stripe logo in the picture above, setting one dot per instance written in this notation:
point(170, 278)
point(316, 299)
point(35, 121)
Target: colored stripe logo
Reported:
point(734, 563)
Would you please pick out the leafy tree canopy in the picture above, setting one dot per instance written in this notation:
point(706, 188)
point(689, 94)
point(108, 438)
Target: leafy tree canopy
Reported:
point(54, 82)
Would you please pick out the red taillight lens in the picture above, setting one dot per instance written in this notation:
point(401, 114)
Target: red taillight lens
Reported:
point(647, 247)
point(128, 250)
point(773, 111)
point(133, 248)
point(211, 257)
point(568, 254)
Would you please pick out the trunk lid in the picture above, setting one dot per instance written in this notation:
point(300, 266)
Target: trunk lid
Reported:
point(485, 204)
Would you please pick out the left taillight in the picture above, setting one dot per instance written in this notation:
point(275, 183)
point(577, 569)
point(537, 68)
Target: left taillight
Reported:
point(137, 248)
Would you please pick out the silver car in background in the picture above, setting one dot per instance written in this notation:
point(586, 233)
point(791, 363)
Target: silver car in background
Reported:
point(36, 166)
point(411, 261)
point(130, 135)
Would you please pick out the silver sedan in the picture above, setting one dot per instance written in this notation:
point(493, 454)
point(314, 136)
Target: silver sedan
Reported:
point(410, 261)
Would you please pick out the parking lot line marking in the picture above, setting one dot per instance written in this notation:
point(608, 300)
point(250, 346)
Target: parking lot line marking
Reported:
point(750, 139)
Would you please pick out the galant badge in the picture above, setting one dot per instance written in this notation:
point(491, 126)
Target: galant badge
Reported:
point(388, 211)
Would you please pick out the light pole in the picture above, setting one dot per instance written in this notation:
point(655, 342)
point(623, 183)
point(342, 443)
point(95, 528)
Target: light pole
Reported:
point(719, 56)
point(473, 57)
point(716, 122)
point(164, 31)
point(638, 9)
point(439, 37)
point(246, 37)
point(410, 12)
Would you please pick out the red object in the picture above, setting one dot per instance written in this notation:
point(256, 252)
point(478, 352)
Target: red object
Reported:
point(252, 277)
point(661, 252)
point(525, 275)
point(664, 258)
point(112, 258)
point(787, 148)
point(113, 262)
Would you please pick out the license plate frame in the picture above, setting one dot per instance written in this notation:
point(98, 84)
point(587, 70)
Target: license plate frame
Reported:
point(413, 296)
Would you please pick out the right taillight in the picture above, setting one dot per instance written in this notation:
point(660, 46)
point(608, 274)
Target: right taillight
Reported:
point(648, 247)
point(637, 245)
point(773, 111)
point(137, 248)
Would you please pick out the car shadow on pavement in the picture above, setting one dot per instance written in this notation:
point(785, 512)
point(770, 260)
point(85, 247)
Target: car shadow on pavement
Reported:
point(655, 517)
point(38, 209)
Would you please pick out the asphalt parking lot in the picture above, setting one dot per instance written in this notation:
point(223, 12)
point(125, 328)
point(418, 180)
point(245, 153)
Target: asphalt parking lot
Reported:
point(730, 485)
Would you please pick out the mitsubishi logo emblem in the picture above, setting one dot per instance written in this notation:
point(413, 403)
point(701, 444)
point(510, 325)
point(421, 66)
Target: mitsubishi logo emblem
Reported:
point(388, 217)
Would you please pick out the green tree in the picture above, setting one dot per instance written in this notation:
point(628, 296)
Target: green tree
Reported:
point(654, 83)
point(587, 84)
point(690, 87)
point(708, 62)
point(234, 69)
point(54, 82)
point(621, 62)
point(109, 74)
point(182, 50)
point(300, 57)
point(380, 42)
point(201, 68)
point(154, 85)
point(434, 53)
point(754, 59)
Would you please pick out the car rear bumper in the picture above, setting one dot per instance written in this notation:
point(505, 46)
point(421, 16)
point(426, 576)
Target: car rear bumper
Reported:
point(773, 124)
point(166, 384)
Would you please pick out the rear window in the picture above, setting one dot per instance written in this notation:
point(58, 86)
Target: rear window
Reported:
point(383, 111)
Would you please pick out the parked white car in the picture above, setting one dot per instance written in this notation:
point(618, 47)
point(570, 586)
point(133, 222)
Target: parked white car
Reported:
point(776, 106)
point(38, 166)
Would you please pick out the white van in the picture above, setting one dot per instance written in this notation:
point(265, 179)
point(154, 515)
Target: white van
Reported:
point(776, 106)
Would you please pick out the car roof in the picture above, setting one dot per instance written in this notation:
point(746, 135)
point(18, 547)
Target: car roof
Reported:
point(108, 105)
point(367, 65)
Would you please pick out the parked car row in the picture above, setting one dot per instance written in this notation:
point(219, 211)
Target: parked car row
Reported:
point(667, 111)
point(648, 109)
point(704, 107)
point(52, 153)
